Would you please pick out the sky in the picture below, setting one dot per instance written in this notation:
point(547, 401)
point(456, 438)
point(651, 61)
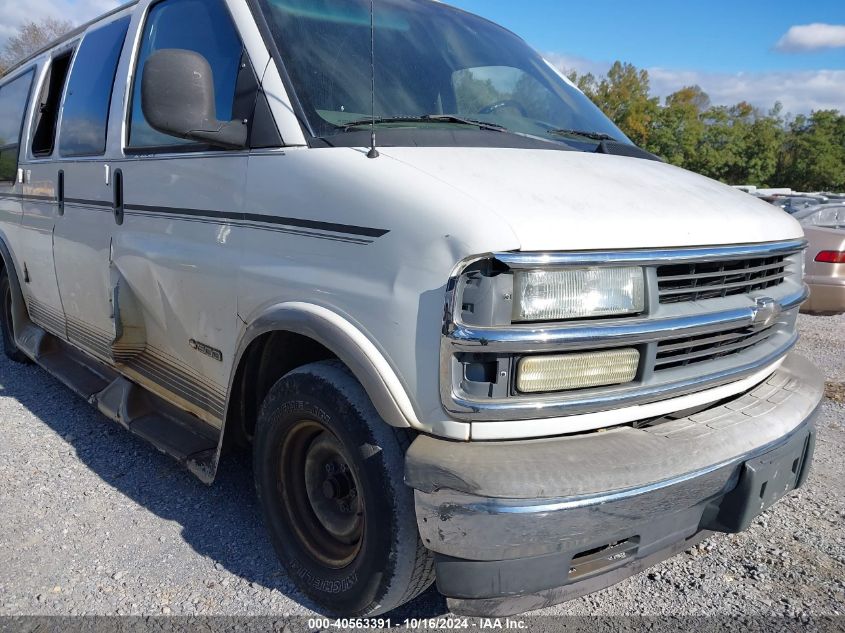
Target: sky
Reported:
point(752, 50)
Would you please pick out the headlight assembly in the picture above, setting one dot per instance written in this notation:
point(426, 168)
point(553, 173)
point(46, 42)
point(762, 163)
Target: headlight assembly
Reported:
point(580, 293)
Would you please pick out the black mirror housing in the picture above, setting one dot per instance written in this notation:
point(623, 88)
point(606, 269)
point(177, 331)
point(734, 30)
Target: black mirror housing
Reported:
point(177, 98)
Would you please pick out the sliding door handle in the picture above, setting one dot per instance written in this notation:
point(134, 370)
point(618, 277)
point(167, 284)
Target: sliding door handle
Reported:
point(117, 185)
point(60, 192)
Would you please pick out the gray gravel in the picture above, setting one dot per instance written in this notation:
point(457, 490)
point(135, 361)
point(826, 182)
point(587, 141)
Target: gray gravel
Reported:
point(94, 521)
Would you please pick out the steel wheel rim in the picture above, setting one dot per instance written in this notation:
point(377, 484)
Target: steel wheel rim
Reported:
point(320, 495)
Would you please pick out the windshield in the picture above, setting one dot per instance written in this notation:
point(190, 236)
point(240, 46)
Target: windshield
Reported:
point(434, 65)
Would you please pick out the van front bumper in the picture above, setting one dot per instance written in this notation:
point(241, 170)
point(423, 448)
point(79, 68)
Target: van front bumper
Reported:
point(518, 526)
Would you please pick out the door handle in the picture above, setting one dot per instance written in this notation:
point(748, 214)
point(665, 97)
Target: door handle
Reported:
point(117, 184)
point(60, 192)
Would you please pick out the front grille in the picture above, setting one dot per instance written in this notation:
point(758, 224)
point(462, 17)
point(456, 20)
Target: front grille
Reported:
point(704, 328)
point(680, 352)
point(679, 283)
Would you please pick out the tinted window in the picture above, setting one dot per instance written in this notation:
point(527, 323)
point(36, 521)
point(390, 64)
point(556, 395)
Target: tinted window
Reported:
point(85, 116)
point(211, 34)
point(13, 99)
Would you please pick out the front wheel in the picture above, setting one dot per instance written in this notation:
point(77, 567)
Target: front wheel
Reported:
point(10, 348)
point(329, 476)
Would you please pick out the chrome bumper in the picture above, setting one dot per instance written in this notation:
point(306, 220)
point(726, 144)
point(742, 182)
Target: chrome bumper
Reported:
point(513, 519)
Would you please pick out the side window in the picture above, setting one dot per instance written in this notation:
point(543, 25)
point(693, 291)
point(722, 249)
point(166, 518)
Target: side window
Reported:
point(202, 26)
point(47, 114)
point(13, 99)
point(85, 114)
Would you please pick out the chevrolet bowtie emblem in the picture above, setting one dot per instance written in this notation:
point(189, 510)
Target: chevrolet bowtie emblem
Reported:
point(765, 312)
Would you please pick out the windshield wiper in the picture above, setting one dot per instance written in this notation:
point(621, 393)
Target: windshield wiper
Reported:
point(428, 118)
point(593, 136)
point(451, 118)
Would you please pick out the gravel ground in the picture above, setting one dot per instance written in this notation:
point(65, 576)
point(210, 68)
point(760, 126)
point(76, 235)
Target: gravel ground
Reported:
point(94, 521)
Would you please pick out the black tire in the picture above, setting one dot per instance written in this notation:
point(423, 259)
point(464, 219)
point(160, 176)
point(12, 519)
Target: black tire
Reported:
point(10, 348)
point(355, 551)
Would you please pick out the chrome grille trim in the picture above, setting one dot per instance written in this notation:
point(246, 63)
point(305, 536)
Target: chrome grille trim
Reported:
point(707, 280)
point(701, 349)
point(755, 269)
point(648, 257)
point(717, 355)
point(595, 335)
point(745, 286)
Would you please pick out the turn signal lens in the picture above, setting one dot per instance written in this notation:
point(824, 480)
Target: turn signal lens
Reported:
point(548, 295)
point(831, 257)
point(540, 374)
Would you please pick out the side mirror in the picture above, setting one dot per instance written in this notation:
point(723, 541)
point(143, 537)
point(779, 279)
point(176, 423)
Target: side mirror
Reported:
point(177, 98)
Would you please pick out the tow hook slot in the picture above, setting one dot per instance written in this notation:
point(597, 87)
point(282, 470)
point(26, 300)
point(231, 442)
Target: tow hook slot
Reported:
point(602, 559)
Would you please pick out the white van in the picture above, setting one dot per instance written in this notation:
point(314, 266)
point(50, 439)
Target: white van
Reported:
point(471, 332)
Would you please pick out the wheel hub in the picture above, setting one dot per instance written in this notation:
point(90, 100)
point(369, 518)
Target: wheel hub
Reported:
point(321, 495)
point(331, 489)
point(337, 487)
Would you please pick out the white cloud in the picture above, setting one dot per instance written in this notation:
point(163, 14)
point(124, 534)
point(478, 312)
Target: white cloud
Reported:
point(798, 91)
point(13, 14)
point(580, 64)
point(812, 37)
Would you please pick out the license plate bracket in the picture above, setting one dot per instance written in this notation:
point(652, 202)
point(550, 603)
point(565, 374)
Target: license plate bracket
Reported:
point(763, 481)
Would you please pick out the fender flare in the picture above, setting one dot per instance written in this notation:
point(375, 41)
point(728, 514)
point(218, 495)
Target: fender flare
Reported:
point(20, 314)
point(348, 343)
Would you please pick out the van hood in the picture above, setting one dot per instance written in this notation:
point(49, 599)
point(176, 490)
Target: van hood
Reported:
point(562, 200)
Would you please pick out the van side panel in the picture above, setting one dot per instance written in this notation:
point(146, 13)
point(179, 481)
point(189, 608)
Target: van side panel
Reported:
point(34, 245)
point(81, 251)
point(177, 254)
point(27, 214)
point(83, 231)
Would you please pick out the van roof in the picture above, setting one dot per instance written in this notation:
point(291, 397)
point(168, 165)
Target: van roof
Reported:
point(67, 36)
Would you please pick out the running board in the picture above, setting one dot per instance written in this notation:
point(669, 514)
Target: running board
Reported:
point(172, 431)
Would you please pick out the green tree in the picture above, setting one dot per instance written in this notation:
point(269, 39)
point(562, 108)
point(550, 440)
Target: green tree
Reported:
point(813, 155)
point(624, 95)
point(678, 129)
point(723, 148)
point(737, 144)
point(586, 83)
point(764, 141)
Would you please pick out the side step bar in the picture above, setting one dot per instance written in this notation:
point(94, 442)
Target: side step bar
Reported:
point(172, 431)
